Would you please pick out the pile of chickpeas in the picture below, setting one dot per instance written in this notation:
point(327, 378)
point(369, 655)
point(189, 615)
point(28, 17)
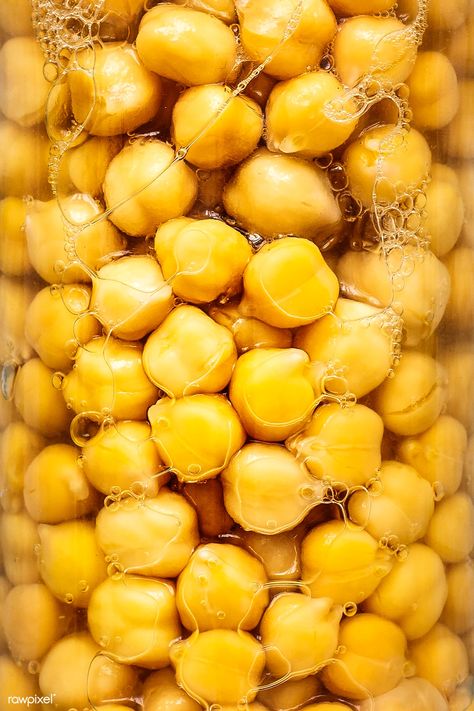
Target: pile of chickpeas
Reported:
point(236, 449)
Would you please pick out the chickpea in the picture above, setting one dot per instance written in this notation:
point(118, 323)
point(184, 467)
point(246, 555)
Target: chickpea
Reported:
point(14, 681)
point(292, 694)
point(185, 45)
point(341, 444)
point(38, 401)
point(445, 212)
point(222, 9)
point(460, 45)
point(79, 675)
point(162, 693)
point(21, 64)
point(135, 620)
point(287, 37)
point(279, 553)
point(373, 661)
point(302, 118)
point(154, 537)
point(437, 454)
point(434, 94)
point(267, 490)
point(459, 138)
point(202, 259)
point(15, 17)
point(86, 165)
point(219, 128)
point(451, 530)
point(15, 295)
point(440, 18)
point(24, 166)
point(71, 563)
point(219, 666)
point(273, 195)
point(14, 259)
point(19, 537)
point(248, 332)
point(458, 362)
point(359, 7)
point(120, 19)
point(441, 658)
point(5, 588)
point(416, 693)
point(460, 309)
point(462, 699)
point(414, 592)
point(458, 613)
point(19, 445)
point(144, 186)
point(207, 498)
point(78, 220)
point(109, 374)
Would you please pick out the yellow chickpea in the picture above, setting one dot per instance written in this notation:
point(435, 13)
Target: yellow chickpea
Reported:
point(24, 166)
point(434, 94)
point(248, 332)
point(273, 195)
point(13, 253)
point(79, 675)
point(189, 353)
point(202, 259)
point(445, 211)
point(301, 116)
point(373, 661)
point(47, 238)
point(460, 45)
point(222, 9)
point(360, 7)
point(19, 536)
point(219, 128)
point(185, 45)
point(442, 18)
point(288, 37)
point(71, 563)
point(162, 693)
point(207, 499)
point(458, 362)
point(15, 17)
point(67, 307)
point(267, 490)
point(111, 91)
point(413, 594)
point(154, 537)
point(21, 64)
point(15, 682)
point(460, 308)
point(279, 553)
point(459, 142)
point(38, 401)
point(458, 613)
point(291, 694)
point(451, 530)
point(415, 694)
point(109, 375)
point(219, 666)
point(85, 166)
point(135, 620)
point(441, 658)
point(16, 296)
point(19, 445)
point(144, 187)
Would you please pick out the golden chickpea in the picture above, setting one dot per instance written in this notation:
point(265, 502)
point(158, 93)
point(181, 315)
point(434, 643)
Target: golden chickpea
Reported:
point(460, 46)
point(273, 195)
point(37, 400)
point(458, 362)
point(207, 499)
point(144, 187)
point(71, 563)
point(279, 553)
point(67, 307)
point(373, 661)
point(267, 490)
point(234, 590)
point(162, 693)
point(459, 141)
point(460, 309)
point(202, 259)
point(21, 64)
point(19, 536)
point(79, 675)
point(451, 530)
point(13, 253)
point(189, 353)
point(196, 435)
point(15, 682)
point(248, 332)
point(109, 375)
point(415, 694)
point(289, 38)
point(154, 537)
point(442, 18)
point(458, 613)
point(222, 9)
point(441, 658)
point(16, 296)
point(219, 128)
point(360, 7)
point(434, 94)
point(413, 594)
point(341, 444)
point(302, 118)
point(19, 445)
point(185, 45)
point(300, 634)
point(219, 666)
point(291, 694)
point(135, 620)
point(445, 212)
point(24, 166)
point(437, 454)
point(15, 17)
point(56, 488)
point(86, 165)
point(63, 245)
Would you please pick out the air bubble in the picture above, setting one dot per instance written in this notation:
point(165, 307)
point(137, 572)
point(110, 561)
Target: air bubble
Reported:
point(194, 469)
point(58, 380)
point(33, 667)
point(221, 615)
point(438, 490)
point(350, 609)
point(69, 598)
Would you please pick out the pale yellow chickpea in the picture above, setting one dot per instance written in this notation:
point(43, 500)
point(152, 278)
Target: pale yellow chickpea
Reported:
point(15, 17)
point(341, 444)
point(292, 694)
point(459, 141)
point(273, 195)
point(70, 560)
point(51, 227)
point(451, 530)
point(16, 296)
point(460, 47)
point(360, 7)
point(144, 187)
point(267, 490)
point(373, 661)
point(279, 553)
point(219, 128)
point(13, 253)
point(15, 681)
point(19, 445)
point(249, 332)
point(86, 165)
point(56, 488)
point(434, 94)
point(207, 499)
point(39, 402)
point(202, 259)
point(19, 536)
point(445, 211)
point(222, 9)
point(67, 307)
point(460, 309)
point(109, 375)
point(219, 666)
point(458, 613)
point(458, 362)
point(196, 435)
point(21, 64)
point(153, 537)
point(441, 658)
point(79, 675)
point(413, 594)
point(186, 45)
point(288, 37)
point(437, 454)
point(416, 694)
point(301, 117)
point(189, 353)
point(162, 693)
point(135, 620)
point(24, 166)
